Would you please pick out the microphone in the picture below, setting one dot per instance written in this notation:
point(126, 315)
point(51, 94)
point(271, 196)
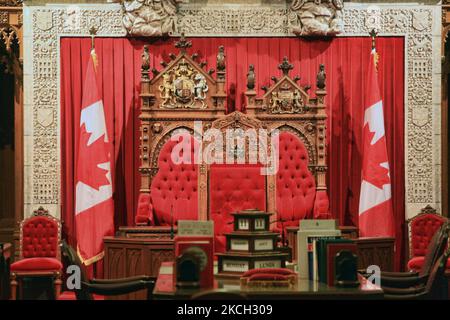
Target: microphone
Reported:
point(171, 222)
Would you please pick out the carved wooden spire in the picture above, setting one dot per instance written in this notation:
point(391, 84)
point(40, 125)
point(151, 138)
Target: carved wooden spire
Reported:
point(285, 66)
point(145, 62)
point(221, 59)
point(183, 44)
point(251, 77)
point(321, 77)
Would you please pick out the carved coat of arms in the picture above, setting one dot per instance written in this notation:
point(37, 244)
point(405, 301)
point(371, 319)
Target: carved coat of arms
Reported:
point(183, 87)
point(286, 100)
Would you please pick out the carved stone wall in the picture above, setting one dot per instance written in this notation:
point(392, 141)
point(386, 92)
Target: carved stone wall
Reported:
point(420, 25)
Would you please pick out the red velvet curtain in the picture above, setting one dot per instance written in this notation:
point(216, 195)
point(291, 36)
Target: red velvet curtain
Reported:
point(345, 59)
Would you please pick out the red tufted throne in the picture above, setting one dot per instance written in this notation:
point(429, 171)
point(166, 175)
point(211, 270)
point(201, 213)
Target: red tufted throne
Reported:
point(40, 237)
point(294, 123)
point(421, 229)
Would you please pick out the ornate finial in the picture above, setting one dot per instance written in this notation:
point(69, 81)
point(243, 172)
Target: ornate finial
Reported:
point(428, 209)
point(285, 66)
point(321, 77)
point(373, 34)
point(221, 59)
point(183, 44)
point(40, 211)
point(93, 32)
point(145, 59)
point(251, 77)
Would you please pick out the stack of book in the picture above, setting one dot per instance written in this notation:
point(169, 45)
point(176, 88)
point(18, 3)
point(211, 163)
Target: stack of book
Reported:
point(322, 268)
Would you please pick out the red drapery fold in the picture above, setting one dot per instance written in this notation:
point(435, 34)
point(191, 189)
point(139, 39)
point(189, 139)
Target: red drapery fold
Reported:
point(345, 59)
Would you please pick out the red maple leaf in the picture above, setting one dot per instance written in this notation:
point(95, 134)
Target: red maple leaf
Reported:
point(89, 157)
point(374, 155)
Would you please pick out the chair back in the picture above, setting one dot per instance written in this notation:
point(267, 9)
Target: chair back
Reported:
point(40, 236)
point(421, 230)
point(70, 257)
point(435, 249)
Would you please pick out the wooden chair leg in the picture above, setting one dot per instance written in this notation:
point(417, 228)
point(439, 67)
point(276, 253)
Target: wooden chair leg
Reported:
point(58, 284)
point(13, 286)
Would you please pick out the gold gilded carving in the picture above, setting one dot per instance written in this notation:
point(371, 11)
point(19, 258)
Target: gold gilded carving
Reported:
point(183, 87)
point(286, 100)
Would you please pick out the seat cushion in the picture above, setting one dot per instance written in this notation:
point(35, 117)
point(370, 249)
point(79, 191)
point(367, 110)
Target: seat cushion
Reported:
point(37, 264)
point(70, 295)
point(416, 263)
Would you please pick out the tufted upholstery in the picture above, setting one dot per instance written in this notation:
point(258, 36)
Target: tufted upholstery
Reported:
point(175, 184)
point(423, 227)
point(296, 186)
point(233, 188)
point(40, 237)
point(144, 215)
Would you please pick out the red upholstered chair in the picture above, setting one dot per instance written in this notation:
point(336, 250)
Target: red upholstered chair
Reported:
point(40, 256)
point(421, 229)
point(174, 188)
point(297, 197)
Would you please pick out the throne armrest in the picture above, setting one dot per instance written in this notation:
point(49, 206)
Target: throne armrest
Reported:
point(144, 215)
point(321, 205)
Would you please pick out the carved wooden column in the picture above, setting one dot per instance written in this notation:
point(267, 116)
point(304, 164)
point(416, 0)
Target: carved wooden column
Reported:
point(321, 165)
point(11, 35)
point(145, 129)
point(445, 104)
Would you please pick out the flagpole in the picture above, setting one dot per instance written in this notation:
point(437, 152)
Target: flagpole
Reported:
point(93, 33)
point(373, 34)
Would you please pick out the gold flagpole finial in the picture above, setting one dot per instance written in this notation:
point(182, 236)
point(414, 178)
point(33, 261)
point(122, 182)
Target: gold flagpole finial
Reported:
point(373, 34)
point(93, 32)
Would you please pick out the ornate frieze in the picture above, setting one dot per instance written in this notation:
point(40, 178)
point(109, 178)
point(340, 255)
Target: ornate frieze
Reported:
point(422, 73)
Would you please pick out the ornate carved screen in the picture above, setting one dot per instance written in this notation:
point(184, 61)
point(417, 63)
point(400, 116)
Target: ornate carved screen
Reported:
point(183, 92)
point(173, 99)
point(298, 190)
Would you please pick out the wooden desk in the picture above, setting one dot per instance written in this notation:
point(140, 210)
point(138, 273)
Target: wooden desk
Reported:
point(5, 258)
point(305, 289)
point(371, 251)
point(127, 257)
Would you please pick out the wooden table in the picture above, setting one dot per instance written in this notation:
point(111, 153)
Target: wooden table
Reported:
point(305, 289)
point(5, 257)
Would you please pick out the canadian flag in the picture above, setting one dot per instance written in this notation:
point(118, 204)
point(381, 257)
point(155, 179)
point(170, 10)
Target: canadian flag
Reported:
point(376, 217)
point(94, 206)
